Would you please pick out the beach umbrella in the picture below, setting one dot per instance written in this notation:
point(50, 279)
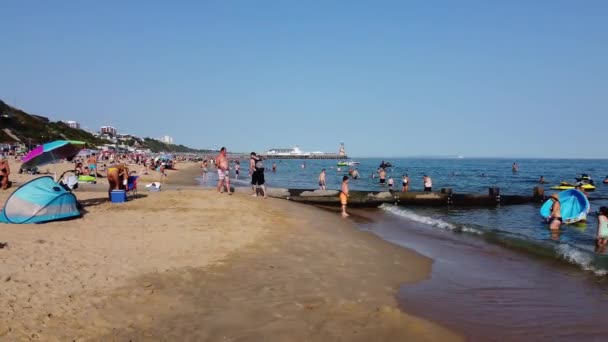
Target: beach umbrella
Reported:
point(52, 151)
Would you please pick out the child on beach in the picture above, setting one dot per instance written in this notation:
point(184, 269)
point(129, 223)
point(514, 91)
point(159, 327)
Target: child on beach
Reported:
point(344, 195)
point(602, 228)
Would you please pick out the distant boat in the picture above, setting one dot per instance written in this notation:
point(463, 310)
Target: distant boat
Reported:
point(348, 163)
point(574, 206)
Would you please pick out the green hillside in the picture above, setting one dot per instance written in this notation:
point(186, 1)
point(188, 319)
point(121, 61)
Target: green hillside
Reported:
point(35, 129)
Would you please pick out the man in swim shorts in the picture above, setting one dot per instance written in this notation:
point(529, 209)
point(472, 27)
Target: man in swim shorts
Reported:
point(382, 176)
point(322, 180)
point(256, 168)
point(344, 195)
point(221, 162)
point(92, 161)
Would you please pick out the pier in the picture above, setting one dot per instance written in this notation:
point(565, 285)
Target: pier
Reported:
point(443, 198)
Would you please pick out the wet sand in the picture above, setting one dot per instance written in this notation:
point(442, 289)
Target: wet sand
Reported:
point(196, 265)
point(490, 293)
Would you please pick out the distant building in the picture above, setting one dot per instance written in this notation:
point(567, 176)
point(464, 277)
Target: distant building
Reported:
point(342, 151)
point(167, 139)
point(108, 130)
point(72, 124)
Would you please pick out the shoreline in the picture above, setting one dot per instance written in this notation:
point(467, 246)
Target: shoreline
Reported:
point(192, 263)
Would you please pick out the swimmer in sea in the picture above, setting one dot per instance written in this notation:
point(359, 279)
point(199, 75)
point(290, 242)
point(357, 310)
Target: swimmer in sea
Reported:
point(322, 180)
point(542, 180)
point(382, 176)
point(405, 183)
point(274, 167)
point(514, 167)
point(391, 182)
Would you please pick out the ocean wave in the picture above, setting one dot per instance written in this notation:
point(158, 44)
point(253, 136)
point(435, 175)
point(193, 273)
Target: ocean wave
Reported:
point(434, 222)
point(584, 260)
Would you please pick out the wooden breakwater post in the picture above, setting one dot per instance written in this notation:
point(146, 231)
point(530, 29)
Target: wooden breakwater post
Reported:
point(442, 198)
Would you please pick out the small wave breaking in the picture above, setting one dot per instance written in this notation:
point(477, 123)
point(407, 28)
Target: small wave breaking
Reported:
point(585, 260)
point(438, 223)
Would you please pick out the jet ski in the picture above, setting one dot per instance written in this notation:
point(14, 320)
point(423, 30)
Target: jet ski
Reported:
point(584, 178)
point(384, 165)
point(348, 163)
point(568, 186)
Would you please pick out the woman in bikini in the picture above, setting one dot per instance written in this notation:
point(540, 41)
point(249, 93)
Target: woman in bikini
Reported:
point(118, 176)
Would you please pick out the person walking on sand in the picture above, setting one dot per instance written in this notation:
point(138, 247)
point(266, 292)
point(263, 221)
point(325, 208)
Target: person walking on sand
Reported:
point(406, 183)
point(221, 162)
point(256, 169)
point(344, 195)
point(322, 180)
point(556, 215)
point(428, 183)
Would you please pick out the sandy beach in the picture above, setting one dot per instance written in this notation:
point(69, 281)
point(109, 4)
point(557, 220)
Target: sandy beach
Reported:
point(195, 265)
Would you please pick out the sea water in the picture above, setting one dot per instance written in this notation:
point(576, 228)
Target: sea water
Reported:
point(516, 226)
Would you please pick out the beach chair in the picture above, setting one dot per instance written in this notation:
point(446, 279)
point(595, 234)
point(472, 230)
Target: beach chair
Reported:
point(132, 185)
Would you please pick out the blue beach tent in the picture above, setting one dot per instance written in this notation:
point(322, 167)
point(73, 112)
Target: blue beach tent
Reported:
point(39, 200)
point(574, 206)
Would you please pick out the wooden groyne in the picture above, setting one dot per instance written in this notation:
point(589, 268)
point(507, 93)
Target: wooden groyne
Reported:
point(443, 198)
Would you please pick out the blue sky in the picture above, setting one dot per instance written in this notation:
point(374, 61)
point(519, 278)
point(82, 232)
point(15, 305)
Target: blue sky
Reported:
point(389, 78)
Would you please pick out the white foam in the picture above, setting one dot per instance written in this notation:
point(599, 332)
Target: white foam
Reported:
point(578, 257)
point(435, 222)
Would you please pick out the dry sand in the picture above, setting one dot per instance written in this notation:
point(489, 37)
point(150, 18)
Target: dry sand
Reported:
point(194, 265)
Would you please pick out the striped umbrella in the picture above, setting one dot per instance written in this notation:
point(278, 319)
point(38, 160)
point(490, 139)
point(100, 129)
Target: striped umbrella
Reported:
point(52, 151)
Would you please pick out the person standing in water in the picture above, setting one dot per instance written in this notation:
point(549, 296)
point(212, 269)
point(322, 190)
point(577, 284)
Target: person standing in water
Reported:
point(556, 215)
point(322, 180)
point(344, 195)
point(356, 174)
point(391, 182)
point(514, 167)
point(382, 176)
point(223, 173)
point(274, 167)
point(428, 183)
point(205, 169)
point(237, 169)
point(256, 168)
point(542, 180)
point(602, 229)
point(406, 183)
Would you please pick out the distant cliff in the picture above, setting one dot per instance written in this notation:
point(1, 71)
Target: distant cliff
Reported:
point(19, 126)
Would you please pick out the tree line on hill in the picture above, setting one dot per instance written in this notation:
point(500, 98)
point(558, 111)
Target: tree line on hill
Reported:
point(18, 126)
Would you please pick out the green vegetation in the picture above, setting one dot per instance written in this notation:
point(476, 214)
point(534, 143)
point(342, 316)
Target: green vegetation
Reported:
point(34, 130)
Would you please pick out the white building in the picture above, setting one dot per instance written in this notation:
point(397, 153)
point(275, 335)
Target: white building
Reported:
point(108, 130)
point(72, 124)
point(167, 139)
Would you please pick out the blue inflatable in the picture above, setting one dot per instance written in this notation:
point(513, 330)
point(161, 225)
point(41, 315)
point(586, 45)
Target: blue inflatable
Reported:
point(574, 206)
